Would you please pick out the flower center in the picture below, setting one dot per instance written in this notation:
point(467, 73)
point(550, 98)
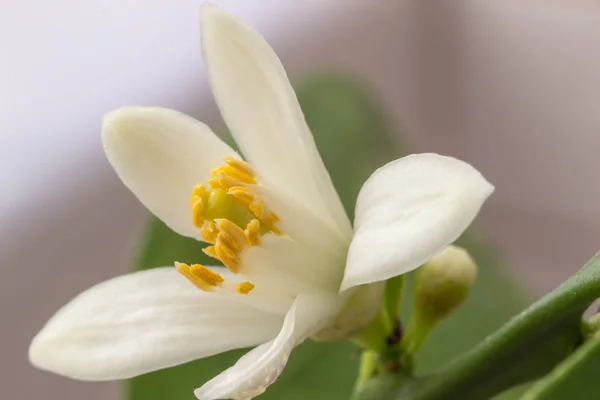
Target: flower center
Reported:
point(230, 216)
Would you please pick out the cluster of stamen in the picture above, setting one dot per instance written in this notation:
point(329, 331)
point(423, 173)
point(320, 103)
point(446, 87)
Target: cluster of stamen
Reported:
point(231, 217)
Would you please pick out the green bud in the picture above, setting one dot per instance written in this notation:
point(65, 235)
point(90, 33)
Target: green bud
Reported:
point(441, 286)
point(590, 327)
point(443, 283)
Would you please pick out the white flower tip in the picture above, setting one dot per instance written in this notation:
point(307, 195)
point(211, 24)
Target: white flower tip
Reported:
point(486, 187)
point(212, 13)
point(120, 121)
point(36, 351)
point(218, 25)
point(44, 354)
point(131, 123)
point(116, 123)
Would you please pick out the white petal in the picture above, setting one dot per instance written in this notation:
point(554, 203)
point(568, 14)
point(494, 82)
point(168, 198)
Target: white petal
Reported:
point(301, 224)
point(254, 372)
point(285, 266)
point(410, 210)
point(364, 302)
point(261, 110)
point(143, 322)
point(160, 154)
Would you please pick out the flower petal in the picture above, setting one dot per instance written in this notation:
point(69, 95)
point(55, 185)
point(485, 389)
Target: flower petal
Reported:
point(408, 211)
point(160, 155)
point(285, 267)
point(254, 372)
point(143, 322)
point(261, 110)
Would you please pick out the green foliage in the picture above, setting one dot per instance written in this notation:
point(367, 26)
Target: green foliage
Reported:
point(574, 378)
point(524, 349)
point(354, 139)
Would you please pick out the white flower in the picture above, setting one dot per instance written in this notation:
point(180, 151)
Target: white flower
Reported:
point(275, 222)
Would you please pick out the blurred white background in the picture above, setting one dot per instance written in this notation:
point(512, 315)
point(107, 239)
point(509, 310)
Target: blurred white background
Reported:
point(511, 86)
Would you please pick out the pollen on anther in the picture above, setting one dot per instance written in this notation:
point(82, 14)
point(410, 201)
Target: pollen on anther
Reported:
point(244, 287)
point(240, 165)
point(206, 275)
point(209, 232)
point(197, 205)
point(252, 232)
point(231, 235)
point(202, 277)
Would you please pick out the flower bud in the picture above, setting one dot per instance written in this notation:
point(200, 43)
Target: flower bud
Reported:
point(443, 283)
point(441, 286)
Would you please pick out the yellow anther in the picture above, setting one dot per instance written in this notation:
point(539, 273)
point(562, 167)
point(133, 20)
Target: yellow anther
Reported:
point(248, 197)
point(199, 190)
point(231, 235)
point(236, 172)
point(202, 277)
point(228, 257)
point(244, 287)
point(209, 277)
point(197, 205)
point(233, 173)
point(223, 181)
point(209, 232)
point(210, 251)
point(240, 165)
point(252, 232)
point(257, 209)
point(197, 218)
point(214, 183)
point(243, 194)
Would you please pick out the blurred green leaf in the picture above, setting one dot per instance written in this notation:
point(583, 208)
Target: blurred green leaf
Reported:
point(354, 139)
point(574, 378)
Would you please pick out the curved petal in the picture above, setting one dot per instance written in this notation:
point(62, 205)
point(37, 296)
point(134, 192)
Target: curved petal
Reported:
point(408, 211)
point(259, 368)
point(261, 110)
point(160, 155)
point(362, 306)
point(143, 322)
point(284, 266)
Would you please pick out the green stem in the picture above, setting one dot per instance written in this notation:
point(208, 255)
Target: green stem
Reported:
point(373, 337)
point(392, 298)
point(524, 349)
point(418, 330)
point(369, 367)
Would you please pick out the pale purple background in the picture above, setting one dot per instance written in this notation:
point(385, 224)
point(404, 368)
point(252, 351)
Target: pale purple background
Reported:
point(511, 86)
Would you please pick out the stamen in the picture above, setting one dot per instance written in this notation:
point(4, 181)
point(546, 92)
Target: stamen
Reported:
point(228, 257)
point(252, 232)
point(202, 277)
point(210, 277)
point(231, 234)
point(197, 205)
point(209, 232)
point(210, 251)
point(240, 165)
point(244, 287)
point(220, 213)
point(248, 197)
point(228, 176)
point(243, 194)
